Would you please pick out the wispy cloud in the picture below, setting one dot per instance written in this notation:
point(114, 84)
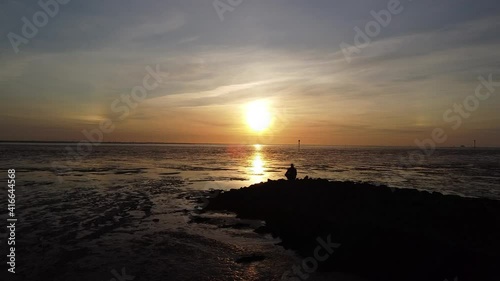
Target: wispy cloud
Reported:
point(284, 52)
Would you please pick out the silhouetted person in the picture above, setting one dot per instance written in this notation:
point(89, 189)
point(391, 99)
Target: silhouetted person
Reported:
point(291, 173)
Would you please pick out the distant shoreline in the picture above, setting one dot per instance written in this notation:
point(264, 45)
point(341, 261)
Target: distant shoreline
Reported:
point(6, 142)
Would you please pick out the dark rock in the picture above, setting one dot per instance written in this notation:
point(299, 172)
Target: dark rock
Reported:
point(236, 225)
point(198, 219)
point(252, 258)
point(262, 230)
point(384, 234)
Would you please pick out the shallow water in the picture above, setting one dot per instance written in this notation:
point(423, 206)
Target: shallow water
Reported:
point(469, 172)
point(128, 206)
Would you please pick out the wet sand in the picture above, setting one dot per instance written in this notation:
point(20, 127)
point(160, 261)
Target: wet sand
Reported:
point(154, 229)
point(143, 228)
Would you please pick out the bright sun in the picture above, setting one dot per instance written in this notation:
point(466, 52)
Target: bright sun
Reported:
point(258, 116)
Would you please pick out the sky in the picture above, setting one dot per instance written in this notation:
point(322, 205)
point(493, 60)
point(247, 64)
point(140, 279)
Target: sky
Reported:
point(205, 61)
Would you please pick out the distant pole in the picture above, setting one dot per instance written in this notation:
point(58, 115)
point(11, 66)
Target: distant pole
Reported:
point(474, 143)
point(299, 146)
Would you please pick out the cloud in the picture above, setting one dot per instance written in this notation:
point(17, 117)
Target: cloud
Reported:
point(283, 51)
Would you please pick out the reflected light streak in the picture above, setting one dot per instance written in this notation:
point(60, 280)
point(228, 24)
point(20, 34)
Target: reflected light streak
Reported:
point(257, 168)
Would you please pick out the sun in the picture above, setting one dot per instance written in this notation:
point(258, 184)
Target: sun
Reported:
point(258, 116)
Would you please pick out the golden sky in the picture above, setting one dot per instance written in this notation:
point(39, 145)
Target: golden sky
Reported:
point(284, 56)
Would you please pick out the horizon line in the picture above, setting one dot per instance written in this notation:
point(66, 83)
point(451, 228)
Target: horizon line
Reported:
point(207, 143)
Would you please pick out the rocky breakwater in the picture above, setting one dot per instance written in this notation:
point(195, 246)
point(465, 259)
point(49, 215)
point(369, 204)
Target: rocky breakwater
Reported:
point(384, 233)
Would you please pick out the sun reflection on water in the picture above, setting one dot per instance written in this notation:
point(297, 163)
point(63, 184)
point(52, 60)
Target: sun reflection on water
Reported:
point(257, 170)
point(257, 164)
